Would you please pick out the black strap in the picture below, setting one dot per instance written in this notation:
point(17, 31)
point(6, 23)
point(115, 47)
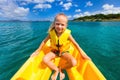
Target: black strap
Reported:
point(58, 46)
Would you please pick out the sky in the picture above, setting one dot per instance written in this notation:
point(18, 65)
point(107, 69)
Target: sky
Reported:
point(33, 10)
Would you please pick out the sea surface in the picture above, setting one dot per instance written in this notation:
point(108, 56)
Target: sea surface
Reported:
point(100, 40)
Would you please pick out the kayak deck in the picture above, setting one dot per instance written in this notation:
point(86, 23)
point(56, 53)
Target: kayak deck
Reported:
point(35, 69)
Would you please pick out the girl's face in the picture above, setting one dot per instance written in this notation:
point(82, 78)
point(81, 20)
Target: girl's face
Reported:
point(60, 24)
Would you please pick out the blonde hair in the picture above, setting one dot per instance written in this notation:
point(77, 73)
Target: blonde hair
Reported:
point(52, 25)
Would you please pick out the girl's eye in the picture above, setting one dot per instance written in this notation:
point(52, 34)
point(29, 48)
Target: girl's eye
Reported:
point(57, 23)
point(62, 24)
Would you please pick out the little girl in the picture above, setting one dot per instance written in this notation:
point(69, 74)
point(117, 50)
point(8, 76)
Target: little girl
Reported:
point(59, 37)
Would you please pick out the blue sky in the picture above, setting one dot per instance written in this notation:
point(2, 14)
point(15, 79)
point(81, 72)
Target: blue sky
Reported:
point(47, 9)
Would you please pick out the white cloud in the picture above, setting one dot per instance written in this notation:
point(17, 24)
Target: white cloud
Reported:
point(61, 3)
point(67, 5)
point(86, 13)
point(82, 14)
point(20, 11)
point(77, 10)
point(69, 16)
point(89, 3)
point(50, 1)
point(110, 9)
point(10, 10)
point(2, 1)
point(43, 6)
point(78, 15)
point(39, 1)
point(69, 0)
point(23, 3)
point(75, 5)
point(107, 9)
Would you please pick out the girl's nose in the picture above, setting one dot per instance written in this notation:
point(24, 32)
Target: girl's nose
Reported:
point(60, 26)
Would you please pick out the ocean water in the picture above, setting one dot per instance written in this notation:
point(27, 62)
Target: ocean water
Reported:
point(100, 40)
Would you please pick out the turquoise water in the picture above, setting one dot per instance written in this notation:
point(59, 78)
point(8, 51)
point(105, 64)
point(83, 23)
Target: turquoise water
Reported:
point(100, 40)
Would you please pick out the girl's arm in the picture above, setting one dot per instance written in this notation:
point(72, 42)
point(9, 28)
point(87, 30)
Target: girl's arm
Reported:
point(41, 45)
point(78, 47)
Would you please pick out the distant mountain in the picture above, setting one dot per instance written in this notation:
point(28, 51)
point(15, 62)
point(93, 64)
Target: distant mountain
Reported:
point(99, 17)
point(25, 21)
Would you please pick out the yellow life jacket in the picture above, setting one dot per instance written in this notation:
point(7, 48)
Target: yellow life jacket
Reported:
point(63, 40)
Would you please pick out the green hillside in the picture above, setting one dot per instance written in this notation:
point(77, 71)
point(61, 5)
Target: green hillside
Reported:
point(99, 17)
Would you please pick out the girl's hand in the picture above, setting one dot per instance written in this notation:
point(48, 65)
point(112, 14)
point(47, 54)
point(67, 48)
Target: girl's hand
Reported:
point(34, 54)
point(86, 57)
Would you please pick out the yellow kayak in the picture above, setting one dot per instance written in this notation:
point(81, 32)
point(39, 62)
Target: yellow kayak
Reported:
point(35, 69)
